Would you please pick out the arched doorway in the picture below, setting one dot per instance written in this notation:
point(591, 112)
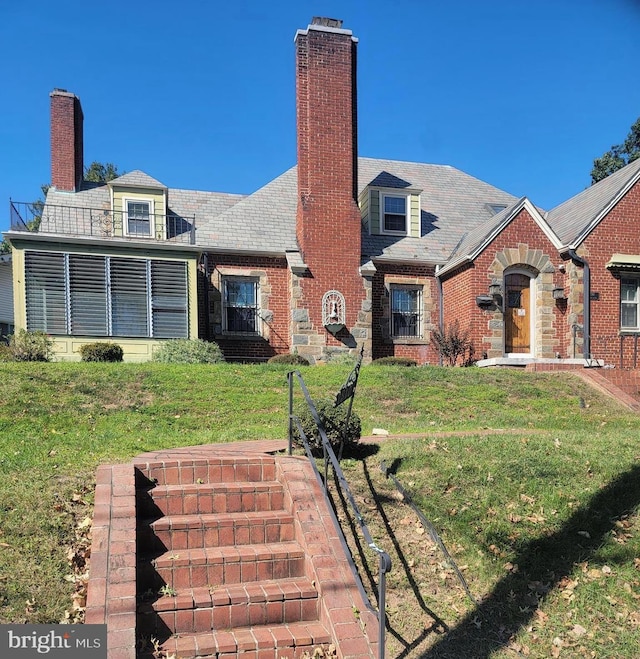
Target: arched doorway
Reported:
point(518, 314)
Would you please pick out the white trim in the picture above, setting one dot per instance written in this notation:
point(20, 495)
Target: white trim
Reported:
point(125, 216)
point(407, 214)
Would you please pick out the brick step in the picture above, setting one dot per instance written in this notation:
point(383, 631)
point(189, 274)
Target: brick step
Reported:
point(197, 498)
point(197, 610)
point(207, 470)
point(289, 641)
point(178, 532)
point(214, 566)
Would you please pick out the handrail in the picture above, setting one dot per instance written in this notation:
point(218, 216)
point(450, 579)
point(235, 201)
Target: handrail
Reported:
point(329, 456)
point(431, 529)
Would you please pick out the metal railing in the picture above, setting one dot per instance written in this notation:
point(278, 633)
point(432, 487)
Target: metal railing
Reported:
point(100, 223)
point(329, 457)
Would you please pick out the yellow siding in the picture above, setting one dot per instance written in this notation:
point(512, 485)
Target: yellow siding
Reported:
point(374, 211)
point(158, 202)
point(363, 202)
point(414, 221)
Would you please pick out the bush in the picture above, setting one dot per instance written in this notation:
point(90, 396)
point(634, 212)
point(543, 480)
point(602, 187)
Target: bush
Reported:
point(188, 351)
point(5, 353)
point(394, 361)
point(31, 346)
point(293, 360)
point(333, 419)
point(453, 344)
point(101, 352)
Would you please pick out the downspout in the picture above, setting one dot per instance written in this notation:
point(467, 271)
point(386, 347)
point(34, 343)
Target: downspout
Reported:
point(586, 285)
point(440, 307)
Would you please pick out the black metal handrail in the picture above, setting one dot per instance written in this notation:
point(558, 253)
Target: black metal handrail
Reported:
point(101, 223)
point(329, 456)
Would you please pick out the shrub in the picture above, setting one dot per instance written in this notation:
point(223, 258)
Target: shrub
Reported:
point(333, 419)
point(188, 351)
point(101, 352)
point(31, 346)
point(394, 361)
point(293, 360)
point(453, 344)
point(5, 353)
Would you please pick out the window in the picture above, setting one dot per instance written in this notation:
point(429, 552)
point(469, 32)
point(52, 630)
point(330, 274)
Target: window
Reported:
point(86, 295)
point(395, 214)
point(406, 312)
point(138, 217)
point(629, 299)
point(241, 305)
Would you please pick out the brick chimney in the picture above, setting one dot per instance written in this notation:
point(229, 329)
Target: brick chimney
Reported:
point(67, 163)
point(328, 221)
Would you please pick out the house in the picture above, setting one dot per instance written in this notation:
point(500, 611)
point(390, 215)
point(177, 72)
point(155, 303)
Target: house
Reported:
point(338, 252)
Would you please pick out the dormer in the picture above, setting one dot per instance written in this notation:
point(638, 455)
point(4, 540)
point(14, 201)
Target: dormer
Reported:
point(390, 206)
point(139, 204)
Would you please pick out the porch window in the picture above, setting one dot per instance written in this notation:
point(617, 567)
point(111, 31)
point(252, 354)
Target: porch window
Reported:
point(406, 312)
point(241, 305)
point(629, 299)
point(86, 295)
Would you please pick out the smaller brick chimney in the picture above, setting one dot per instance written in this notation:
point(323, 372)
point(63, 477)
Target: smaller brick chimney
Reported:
point(67, 158)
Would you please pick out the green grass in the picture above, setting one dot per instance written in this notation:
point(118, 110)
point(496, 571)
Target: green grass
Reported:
point(565, 458)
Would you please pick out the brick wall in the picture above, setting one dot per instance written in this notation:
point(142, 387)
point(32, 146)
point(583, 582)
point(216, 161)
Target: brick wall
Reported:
point(422, 350)
point(66, 141)
point(520, 246)
point(617, 233)
point(274, 290)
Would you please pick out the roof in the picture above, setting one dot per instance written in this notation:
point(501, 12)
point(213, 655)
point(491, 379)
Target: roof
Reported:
point(575, 218)
point(457, 218)
point(137, 179)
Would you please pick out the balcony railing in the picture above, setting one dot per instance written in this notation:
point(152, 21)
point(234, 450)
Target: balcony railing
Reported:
point(101, 223)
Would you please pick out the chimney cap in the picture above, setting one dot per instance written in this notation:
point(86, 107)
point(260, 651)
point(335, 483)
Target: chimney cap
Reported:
point(58, 91)
point(326, 22)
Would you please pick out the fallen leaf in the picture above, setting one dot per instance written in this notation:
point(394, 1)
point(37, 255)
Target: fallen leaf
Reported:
point(578, 630)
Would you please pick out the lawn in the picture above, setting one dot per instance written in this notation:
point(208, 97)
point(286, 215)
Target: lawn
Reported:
point(530, 479)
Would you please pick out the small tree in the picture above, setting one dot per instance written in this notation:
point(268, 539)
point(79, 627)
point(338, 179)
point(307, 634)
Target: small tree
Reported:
point(453, 344)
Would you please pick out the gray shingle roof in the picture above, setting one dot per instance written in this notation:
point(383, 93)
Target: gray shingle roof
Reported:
point(452, 204)
point(575, 218)
point(138, 179)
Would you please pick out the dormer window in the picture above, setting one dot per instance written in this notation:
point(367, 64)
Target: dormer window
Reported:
point(138, 217)
point(394, 214)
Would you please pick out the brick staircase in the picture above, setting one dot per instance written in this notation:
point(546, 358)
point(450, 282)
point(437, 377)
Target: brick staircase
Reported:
point(236, 556)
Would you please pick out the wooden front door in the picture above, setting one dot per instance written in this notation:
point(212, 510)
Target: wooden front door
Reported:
point(517, 314)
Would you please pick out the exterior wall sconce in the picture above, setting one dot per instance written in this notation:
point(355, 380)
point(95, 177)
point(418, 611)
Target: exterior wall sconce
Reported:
point(558, 294)
point(333, 312)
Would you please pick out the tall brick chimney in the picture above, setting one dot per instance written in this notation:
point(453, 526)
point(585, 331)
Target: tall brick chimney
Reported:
point(66, 141)
point(328, 221)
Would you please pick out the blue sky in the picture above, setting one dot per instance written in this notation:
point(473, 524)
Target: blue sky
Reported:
point(521, 94)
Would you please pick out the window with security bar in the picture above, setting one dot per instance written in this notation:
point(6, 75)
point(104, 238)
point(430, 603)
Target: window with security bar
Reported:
point(406, 312)
point(87, 295)
point(241, 309)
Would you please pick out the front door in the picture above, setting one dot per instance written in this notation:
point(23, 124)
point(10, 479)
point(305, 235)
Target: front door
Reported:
point(517, 314)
